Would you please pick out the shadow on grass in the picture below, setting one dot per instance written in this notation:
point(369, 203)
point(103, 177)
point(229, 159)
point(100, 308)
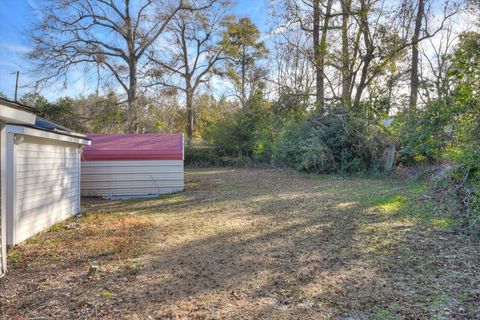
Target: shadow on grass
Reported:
point(270, 244)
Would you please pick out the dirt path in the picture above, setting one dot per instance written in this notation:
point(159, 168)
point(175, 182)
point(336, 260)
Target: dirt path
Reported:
point(251, 244)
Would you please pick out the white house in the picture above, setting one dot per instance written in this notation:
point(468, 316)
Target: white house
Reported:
point(40, 174)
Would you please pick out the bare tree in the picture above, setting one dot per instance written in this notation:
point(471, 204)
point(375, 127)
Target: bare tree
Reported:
point(415, 54)
point(346, 6)
point(188, 61)
point(313, 17)
point(112, 36)
point(355, 43)
point(294, 74)
point(438, 64)
point(367, 57)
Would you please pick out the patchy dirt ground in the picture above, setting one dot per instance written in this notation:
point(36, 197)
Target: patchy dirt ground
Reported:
point(251, 244)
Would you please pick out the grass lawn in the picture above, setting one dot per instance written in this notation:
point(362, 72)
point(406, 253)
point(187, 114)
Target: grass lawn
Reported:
point(252, 244)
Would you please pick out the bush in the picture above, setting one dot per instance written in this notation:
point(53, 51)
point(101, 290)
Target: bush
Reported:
point(448, 130)
point(427, 139)
point(300, 146)
point(200, 156)
point(231, 137)
point(460, 188)
point(245, 134)
point(469, 195)
point(204, 156)
point(331, 144)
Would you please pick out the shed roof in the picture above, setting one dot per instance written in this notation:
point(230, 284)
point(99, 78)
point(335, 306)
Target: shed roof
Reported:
point(18, 105)
point(28, 117)
point(49, 126)
point(134, 147)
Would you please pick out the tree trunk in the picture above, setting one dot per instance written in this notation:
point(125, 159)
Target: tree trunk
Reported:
point(346, 78)
point(320, 51)
point(189, 106)
point(370, 49)
point(243, 94)
point(132, 74)
point(363, 79)
point(132, 99)
point(415, 53)
point(317, 56)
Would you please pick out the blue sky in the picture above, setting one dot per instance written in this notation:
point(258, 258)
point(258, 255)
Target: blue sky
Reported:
point(14, 17)
point(17, 15)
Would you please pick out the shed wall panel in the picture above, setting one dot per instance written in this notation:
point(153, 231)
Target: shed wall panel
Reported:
point(47, 185)
point(131, 178)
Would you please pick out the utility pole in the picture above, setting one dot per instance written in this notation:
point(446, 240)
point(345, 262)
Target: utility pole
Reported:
point(16, 85)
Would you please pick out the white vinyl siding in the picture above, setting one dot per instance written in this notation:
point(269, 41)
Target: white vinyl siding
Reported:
point(131, 177)
point(3, 225)
point(47, 185)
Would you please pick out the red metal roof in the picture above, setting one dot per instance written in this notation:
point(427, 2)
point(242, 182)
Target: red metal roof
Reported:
point(134, 147)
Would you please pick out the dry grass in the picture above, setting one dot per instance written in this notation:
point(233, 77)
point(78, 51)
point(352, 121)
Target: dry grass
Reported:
point(252, 244)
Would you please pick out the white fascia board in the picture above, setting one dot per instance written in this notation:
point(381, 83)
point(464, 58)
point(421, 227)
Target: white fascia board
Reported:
point(8, 185)
point(9, 114)
point(4, 173)
point(44, 134)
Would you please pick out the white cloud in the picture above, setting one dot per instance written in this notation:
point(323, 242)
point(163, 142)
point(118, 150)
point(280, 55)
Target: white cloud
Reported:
point(14, 48)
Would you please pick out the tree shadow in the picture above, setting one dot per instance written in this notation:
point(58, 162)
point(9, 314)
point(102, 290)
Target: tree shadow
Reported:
point(305, 249)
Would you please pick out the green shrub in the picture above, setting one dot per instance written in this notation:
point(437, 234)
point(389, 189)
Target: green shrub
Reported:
point(247, 133)
point(201, 156)
point(427, 139)
point(448, 130)
point(460, 189)
point(331, 144)
point(204, 156)
point(300, 146)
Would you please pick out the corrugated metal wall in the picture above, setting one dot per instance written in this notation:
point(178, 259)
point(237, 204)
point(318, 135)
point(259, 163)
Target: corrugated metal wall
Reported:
point(132, 177)
point(47, 185)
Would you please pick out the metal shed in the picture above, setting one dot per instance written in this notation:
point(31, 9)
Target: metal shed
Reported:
point(40, 173)
point(133, 165)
